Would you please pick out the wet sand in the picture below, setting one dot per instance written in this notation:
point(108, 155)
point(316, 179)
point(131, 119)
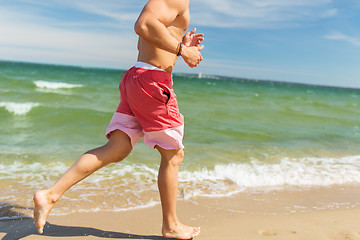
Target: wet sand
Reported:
point(265, 216)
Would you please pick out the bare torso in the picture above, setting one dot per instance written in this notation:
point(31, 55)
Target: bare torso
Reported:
point(148, 53)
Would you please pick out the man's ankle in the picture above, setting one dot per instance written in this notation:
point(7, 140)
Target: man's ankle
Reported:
point(51, 196)
point(171, 223)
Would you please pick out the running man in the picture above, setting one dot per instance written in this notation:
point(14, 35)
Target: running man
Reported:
point(148, 108)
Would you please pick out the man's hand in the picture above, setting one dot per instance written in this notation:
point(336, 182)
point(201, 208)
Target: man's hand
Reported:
point(191, 48)
point(192, 55)
point(191, 39)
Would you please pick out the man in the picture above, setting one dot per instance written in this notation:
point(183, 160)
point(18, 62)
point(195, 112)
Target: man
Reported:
point(148, 109)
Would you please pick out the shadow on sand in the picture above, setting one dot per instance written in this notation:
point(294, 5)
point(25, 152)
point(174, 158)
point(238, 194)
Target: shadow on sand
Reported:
point(24, 226)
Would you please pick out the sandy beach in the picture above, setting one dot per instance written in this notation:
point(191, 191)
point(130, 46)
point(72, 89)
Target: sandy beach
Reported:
point(241, 217)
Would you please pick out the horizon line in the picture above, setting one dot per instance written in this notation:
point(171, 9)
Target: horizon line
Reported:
point(215, 77)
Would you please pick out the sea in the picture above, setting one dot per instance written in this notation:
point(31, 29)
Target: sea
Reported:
point(241, 136)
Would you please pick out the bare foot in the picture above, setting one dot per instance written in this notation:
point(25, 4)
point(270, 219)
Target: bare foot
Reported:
point(181, 231)
point(43, 206)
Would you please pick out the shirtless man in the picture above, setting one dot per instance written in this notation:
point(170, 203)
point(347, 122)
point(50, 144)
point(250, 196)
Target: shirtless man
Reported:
point(148, 109)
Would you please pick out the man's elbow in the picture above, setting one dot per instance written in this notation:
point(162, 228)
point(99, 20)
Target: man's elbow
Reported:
point(140, 28)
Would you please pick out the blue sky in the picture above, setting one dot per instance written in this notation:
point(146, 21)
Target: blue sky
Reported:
point(305, 41)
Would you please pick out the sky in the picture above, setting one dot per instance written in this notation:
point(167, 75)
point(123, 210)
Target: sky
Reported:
point(302, 41)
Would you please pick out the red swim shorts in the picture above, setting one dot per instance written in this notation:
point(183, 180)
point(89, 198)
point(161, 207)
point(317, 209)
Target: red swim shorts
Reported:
point(148, 108)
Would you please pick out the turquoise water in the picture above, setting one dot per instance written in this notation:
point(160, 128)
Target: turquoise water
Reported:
point(239, 135)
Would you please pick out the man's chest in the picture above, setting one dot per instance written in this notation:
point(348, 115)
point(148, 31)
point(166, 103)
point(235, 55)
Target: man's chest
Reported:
point(180, 24)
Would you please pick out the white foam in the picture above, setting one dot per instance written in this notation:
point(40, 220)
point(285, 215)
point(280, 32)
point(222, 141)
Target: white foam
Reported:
point(18, 108)
point(55, 85)
point(223, 179)
point(289, 172)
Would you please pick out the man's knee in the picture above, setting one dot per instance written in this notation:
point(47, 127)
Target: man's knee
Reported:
point(121, 155)
point(118, 152)
point(119, 146)
point(177, 158)
point(180, 154)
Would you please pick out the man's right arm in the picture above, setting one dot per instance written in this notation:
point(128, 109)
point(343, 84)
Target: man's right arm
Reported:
point(152, 27)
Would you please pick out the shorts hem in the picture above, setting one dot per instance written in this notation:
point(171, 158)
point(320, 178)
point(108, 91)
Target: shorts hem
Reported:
point(127, 124)
point(168, 139)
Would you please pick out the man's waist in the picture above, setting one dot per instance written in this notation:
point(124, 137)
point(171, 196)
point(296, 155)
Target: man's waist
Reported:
point(149, 73)
point(147, 66)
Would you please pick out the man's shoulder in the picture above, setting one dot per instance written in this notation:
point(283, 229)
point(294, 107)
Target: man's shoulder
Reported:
point(180, 5)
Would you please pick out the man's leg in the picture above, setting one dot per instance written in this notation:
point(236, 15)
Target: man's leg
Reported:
point(118, 147)
point(168, 187)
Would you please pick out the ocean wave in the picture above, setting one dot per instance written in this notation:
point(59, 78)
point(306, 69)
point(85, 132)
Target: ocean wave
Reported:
point(233, 178)
point(132, 186)
point(18, 108)
point(219, 180)
point(55, 85)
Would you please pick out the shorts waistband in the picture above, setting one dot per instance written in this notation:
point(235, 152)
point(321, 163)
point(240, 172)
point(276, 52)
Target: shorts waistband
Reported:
point(147, 66)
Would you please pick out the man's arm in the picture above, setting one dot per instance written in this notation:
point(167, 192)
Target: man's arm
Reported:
point(152, 22)
point(152, 27)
